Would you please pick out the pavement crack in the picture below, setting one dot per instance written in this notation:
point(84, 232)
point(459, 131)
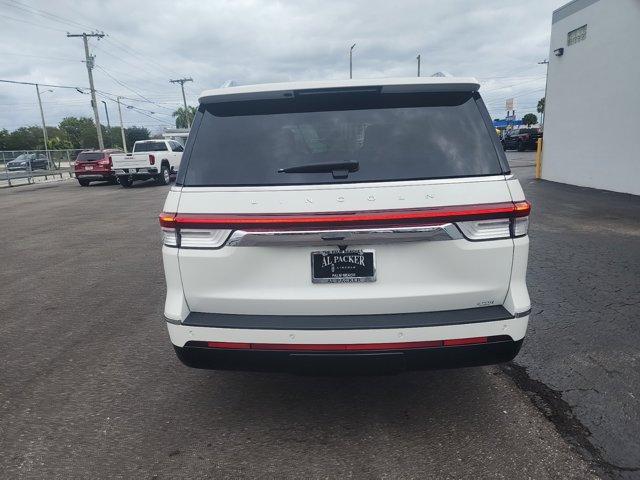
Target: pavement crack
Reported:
point(582, 390)
point(560, 413)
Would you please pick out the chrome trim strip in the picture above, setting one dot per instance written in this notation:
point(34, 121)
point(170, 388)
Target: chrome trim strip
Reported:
point(368, 236)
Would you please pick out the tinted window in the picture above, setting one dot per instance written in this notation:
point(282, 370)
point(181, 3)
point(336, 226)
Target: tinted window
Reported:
point(176, 147)
point(392, 137)
point(90, 156)
point(150, 147)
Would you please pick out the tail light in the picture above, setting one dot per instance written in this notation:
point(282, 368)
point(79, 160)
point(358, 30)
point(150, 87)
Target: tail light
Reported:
point(516, 225)
point(477, 222)
point(152, 160)
point(191, 237)
point(105, 162)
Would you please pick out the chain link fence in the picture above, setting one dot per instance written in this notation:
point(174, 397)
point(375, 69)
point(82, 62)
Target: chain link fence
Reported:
point(16, 166)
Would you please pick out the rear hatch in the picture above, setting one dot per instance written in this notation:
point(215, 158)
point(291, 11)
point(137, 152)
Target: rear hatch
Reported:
point(343, 202)
point(91, 162)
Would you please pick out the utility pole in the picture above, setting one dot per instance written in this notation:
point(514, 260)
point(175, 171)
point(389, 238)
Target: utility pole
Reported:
point(182, 81)
point(89, 62)
point(418, 58)
point(351, 60)
point(124, 140)
point(44, 126)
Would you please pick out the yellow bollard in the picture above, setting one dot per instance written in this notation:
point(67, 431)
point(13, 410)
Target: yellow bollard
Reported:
point(539, 158)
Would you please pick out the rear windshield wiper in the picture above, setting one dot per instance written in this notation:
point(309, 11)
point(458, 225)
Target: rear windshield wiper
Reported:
point(338, 169)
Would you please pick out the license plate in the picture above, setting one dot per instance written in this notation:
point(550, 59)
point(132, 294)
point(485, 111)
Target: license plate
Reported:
point(88, 167)
point(349, 266)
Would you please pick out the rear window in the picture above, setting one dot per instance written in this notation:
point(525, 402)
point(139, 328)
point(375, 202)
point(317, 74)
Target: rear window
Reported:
point(90, 156)
point(150, 147)
point(388, 136)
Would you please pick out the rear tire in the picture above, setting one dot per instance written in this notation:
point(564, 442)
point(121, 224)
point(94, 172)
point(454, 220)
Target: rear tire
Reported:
point(164, 177)
point(125, 180)
point(83, 183)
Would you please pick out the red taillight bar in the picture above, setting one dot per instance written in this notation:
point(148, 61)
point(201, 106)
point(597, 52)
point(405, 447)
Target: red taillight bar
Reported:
point(331, 347)
point(347, 219)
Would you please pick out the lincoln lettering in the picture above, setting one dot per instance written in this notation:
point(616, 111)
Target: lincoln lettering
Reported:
point(329, 260)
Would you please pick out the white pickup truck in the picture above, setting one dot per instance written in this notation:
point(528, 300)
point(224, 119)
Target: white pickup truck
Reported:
point(157, 159)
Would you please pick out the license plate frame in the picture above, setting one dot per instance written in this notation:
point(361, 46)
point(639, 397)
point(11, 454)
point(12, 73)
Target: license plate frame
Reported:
point(348, 266)
point(88, 167)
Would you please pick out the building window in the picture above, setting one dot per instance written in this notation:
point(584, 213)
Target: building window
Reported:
point(577, 35)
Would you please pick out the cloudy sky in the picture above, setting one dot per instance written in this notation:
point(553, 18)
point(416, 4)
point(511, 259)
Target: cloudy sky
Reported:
point(250, 41)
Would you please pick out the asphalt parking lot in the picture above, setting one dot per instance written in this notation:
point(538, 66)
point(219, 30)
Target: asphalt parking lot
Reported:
point(91, 386)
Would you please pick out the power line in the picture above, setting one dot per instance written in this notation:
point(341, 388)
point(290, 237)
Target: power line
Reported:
point(67, 59)
point(31, 23)
point(145, 58)
point(72, 87)
point(136, 67)
point(41, 84)
point(139, 110)
point(130, 89)
point(45, 14)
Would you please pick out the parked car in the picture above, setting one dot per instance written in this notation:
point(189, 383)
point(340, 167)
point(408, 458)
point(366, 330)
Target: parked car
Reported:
point(28, 161)
point(157, 159)
point(522, 139)
point(94, 165)
point(345, 225)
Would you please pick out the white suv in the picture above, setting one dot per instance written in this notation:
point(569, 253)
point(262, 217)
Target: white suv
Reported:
point(339, 225)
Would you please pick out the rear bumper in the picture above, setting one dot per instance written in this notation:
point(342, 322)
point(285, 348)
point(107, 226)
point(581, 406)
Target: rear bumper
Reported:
point(439, 342)
point(93, 175)
point(137, 172)
point(372, 362)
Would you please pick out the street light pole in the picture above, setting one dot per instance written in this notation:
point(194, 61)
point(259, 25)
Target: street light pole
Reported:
point(418, 58)
point(351, 60)
point(124, 140)
point(106, 111)
point(44, 126)
point(546, 82)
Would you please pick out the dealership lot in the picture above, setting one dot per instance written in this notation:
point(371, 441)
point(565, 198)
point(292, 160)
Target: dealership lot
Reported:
point(91, 387)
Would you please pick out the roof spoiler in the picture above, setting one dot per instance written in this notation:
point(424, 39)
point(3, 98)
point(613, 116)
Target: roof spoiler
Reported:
point(280, 91)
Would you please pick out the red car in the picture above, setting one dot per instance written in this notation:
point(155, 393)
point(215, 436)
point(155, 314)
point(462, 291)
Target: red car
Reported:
point(94, 165)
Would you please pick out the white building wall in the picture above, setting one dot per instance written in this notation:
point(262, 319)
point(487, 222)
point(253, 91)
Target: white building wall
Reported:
point(591, 134)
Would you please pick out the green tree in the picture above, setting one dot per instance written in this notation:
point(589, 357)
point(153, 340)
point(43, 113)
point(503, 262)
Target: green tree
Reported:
point(4, 139)
point(184, 117)
point(540, 108)
point(26, 138)
point(133, 134)
point(58, 143)
point(80, 131)
point(530, 119)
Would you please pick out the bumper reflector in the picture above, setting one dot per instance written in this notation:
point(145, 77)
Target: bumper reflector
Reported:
point(349, 347)
point(464, 341)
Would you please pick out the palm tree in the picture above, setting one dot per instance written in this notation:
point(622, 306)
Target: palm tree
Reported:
point(540, 107)
point(184, 117)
